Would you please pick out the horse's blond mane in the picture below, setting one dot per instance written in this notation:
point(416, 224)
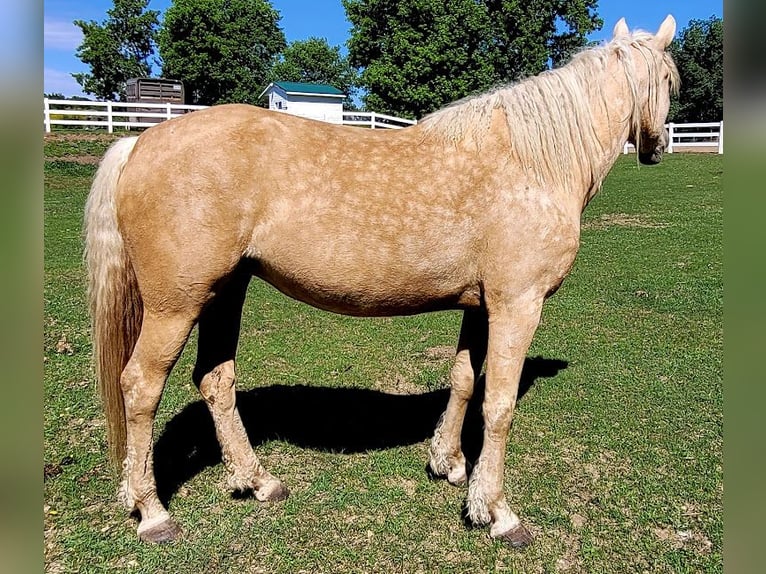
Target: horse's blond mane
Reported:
point(550, 116)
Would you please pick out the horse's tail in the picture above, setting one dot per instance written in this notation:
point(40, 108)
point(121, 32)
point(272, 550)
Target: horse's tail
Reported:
point(116, 308)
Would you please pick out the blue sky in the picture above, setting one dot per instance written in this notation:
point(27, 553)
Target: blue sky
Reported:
point(323, 18)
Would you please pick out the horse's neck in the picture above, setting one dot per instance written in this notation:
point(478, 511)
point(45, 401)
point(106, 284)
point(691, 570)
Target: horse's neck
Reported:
point(612, 108)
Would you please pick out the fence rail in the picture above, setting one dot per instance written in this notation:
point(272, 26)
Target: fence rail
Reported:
point(111, 115)
point(375, 120)
point(128, 115)
point(686, 137)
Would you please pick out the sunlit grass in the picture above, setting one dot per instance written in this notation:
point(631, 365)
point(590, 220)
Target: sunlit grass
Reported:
point(615, 460)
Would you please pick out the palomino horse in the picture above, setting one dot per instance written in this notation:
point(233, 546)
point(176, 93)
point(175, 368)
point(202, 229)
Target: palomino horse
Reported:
point(477, 208)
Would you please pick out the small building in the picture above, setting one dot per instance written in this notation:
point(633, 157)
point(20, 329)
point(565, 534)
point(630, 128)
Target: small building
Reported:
point(315, 101)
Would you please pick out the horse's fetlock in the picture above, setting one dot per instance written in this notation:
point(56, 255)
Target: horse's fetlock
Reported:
point(439, 455)
point(238, 483)
point(477, 507)
point(438, 462)
point(124, 498)
point(478, 500)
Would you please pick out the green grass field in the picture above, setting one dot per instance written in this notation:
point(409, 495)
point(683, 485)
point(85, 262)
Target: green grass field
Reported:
point(615, 459)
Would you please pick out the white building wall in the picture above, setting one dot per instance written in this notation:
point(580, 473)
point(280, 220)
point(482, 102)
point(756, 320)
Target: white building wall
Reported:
point(277, 101)
point(322, 108)
point(317, 108)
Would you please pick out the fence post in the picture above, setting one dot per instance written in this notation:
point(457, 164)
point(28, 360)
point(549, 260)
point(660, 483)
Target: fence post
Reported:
point(47, 115)
point(670, 137)
point(168, 115)
point(109, 118)
point(720, 138)
point(372, 120)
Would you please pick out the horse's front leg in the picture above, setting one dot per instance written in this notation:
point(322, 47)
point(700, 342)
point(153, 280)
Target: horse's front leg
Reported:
point(446, 454)
point(511, 328)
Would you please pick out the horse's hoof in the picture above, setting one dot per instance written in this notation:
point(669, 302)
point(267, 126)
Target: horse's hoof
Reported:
point(517, 537)
point(164, 530)
point(273, 491)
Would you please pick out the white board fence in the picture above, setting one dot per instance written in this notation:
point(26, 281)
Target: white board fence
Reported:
point(703, 136)
point(375, 120)
point(109, 115)
point(707, 136)
point(113, 115)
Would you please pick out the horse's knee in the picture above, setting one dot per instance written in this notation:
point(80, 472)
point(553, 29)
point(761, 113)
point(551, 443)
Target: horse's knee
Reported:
point(462, 389)
point(462, 378)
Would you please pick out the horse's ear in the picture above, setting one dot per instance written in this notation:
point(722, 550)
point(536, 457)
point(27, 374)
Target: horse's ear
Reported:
point(666, 33)
point(620, 29)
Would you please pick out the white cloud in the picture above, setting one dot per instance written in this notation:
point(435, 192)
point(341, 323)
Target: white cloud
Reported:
point(58, 82)
point(61, 35)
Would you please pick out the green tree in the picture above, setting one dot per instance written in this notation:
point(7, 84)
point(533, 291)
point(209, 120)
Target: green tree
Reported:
point(418, 55)
point(221, 49)
point(118, 49)
point(529, 36)
point(315, 61)
point(698, 53)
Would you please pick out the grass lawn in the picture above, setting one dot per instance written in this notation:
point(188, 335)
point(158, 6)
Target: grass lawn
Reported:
point(615, 458)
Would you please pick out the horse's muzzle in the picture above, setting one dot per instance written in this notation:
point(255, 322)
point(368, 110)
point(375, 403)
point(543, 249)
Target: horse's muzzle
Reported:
point(653, 157)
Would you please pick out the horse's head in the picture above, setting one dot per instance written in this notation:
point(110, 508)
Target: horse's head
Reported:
point(655, 79)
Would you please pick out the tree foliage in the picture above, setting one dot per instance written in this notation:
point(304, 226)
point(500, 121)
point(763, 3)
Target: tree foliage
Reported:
point(418, 55)
point(698, 53)
point(528, 36)
point(315, 61)
point(118, 49)
point(221, 49)
point(60, 96)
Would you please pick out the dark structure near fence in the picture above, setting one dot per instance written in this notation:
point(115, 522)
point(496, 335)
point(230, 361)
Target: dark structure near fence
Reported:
point(154, 91)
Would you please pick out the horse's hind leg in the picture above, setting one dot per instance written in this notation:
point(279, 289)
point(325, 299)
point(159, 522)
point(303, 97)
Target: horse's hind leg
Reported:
point(446, 455)
point(157, 349)
point(214, 375)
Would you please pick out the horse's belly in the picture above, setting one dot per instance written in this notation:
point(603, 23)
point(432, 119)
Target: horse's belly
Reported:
point(368, 292)
point(361, 255)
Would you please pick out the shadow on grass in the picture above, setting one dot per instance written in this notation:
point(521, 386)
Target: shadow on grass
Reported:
point(346, 420)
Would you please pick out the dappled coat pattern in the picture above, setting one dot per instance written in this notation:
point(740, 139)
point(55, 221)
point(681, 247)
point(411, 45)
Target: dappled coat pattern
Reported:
point(476, 208)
